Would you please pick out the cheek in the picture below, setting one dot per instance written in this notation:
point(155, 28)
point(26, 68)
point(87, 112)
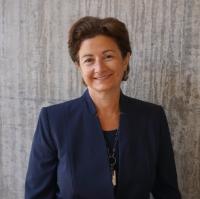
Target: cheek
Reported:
point(121, 73)
point(86, 74)
point(121, 69)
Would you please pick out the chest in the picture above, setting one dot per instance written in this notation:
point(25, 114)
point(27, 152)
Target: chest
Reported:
point(84, 162)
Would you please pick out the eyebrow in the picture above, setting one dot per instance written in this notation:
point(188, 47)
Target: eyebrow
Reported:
point(105, 51)
point(108, 51)
point(86, 55)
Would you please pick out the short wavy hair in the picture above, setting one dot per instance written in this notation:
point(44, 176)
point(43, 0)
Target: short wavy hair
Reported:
point(89, 27)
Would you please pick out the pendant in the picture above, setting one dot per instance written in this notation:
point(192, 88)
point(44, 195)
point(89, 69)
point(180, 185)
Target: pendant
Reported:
point(114, 178)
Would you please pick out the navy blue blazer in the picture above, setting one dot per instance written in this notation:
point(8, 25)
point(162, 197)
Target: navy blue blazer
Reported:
point(68, 158)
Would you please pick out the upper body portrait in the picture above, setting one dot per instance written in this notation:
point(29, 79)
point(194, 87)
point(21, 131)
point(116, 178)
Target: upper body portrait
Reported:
point(104, 144)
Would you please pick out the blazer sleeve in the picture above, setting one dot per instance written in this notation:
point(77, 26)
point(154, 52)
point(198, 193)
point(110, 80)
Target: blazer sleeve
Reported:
point(41, 174)
point(166, 185)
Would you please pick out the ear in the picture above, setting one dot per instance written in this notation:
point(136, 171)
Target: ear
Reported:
point(126, 60)
point(76, 64)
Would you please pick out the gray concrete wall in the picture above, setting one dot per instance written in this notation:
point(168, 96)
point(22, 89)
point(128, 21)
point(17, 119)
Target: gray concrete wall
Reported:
point(35, 70)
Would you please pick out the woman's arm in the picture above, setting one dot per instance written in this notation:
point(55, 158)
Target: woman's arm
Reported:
point(41, 174)
point(165, 186)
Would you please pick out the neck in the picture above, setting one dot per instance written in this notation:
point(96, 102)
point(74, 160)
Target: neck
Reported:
point(106, 102)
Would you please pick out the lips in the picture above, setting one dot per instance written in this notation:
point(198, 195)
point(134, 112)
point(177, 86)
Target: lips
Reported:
point(102, 77)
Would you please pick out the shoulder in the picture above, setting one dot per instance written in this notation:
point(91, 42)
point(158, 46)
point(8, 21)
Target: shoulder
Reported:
point(145, 113)
point(63, 110)
point(64, 105)
point(138, 104)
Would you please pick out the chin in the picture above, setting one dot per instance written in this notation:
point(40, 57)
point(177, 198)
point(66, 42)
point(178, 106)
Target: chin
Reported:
point(104, 88)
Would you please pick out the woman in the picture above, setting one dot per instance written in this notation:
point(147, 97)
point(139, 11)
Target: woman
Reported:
point(103, 145)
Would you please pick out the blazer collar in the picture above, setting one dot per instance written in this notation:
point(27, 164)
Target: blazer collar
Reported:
point(90, 104)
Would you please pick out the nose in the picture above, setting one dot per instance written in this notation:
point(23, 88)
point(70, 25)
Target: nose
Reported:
point(99, 65)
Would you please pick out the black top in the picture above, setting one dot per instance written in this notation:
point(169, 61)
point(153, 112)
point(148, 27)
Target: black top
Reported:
point(110, 137)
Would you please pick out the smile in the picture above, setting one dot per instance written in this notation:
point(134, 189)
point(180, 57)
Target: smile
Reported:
point(102, 77)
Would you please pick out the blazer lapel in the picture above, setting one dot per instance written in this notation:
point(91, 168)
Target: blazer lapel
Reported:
point(92, 178)
point(133, 170)
point(90, 162)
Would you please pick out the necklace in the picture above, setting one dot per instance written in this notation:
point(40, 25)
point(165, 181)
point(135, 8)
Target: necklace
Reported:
point(113, 159)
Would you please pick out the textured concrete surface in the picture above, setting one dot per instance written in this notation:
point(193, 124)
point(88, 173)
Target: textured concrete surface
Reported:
point(35, 70)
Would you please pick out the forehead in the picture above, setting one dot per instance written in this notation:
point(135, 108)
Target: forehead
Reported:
point(98, 44)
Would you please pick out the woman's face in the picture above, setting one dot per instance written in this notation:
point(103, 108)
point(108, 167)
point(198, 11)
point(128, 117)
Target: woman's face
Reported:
point(101, 63)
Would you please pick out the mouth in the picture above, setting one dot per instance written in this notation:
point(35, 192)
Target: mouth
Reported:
point(103, 77)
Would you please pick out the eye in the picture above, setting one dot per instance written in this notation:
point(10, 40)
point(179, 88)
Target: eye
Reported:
point(109, 57)
point(88, 61)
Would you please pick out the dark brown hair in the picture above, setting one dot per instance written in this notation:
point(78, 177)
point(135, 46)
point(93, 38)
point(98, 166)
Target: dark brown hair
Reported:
point(89, 27)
